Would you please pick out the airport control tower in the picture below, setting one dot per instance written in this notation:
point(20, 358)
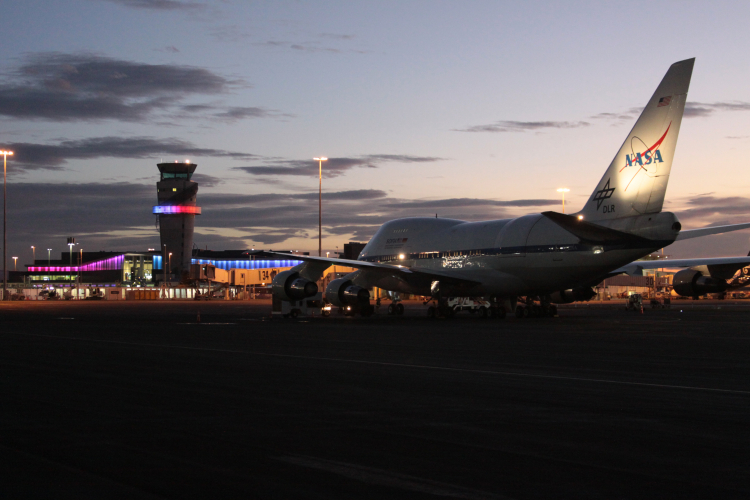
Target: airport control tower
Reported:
point(176, 211)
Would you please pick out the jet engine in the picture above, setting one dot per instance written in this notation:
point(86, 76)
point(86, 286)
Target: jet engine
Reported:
point(342, 292)
point(692, 283)
point(288, 286)
point(580, 294)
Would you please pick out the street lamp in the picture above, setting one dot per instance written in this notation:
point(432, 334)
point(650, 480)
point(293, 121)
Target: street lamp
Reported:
point(5, 202)
point(15, 260)
point(49, 256)
point(71, 242)
point(170, 266)
point(563, 191)
point(33, 253)
point(320, 203)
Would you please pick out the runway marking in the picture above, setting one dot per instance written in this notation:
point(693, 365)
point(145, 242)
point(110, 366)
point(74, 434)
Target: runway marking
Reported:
point(398, 365)
point(381, 477)
point(195, 323)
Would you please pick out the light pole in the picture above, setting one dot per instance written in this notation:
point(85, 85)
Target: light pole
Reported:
point(15, 261)
point(71, 242)
point(320, 203)
point(49, 256)
point(563, 191)
point(170, 267)
point(5, 203)
point(33, 255)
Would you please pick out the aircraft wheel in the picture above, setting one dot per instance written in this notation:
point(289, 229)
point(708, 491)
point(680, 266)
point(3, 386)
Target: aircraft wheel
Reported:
point(391, 309)
point(400, 309)
point(431, 312)
point(325, 313)
point(520, 312)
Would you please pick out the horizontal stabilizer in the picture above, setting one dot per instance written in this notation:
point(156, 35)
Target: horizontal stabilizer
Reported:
point(705, 231)
point(592, 233)
point(711, 262)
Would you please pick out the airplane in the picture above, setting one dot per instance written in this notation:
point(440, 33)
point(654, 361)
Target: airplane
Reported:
point(531, 263)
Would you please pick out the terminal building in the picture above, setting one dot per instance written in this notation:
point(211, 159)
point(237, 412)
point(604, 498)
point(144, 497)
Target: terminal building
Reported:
point(176, 209)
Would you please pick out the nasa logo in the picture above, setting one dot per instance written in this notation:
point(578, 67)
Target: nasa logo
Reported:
point(651, 155)
point(643, 159)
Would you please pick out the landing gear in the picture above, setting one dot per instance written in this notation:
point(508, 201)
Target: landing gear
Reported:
point(396, 309)
point(528, 307)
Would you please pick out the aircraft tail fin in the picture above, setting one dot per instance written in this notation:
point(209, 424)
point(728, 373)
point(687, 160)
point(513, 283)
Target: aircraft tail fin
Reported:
point(636, 180)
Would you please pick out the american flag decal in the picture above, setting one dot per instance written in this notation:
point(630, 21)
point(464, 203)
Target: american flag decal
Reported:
point(664, 101)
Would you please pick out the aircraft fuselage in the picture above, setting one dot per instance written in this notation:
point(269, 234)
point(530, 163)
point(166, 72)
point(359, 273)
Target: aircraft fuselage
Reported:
point(528, 255)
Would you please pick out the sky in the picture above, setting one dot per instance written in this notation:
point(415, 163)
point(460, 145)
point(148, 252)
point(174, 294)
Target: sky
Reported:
point(473, 110)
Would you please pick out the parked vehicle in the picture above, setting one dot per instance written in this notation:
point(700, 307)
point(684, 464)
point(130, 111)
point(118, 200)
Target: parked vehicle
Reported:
point(311, 306)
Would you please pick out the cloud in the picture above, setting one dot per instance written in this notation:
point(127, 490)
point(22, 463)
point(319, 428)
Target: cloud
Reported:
point(86, 87)
point(169, 48)
point(702, 109)
point(472, 202)
point(240, 112)
point(692, 110)
point(117, 216)
point(518, 126)
point(333, 167)
point(160, 4)
point(708, 210)
point(279, 198)
point(337, 36)
point(314, 46)
point(51, 156)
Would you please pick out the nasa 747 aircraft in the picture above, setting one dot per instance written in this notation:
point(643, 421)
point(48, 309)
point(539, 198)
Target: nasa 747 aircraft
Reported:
point(540, 259)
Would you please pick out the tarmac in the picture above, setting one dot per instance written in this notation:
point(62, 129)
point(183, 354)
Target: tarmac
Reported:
point(140, 400)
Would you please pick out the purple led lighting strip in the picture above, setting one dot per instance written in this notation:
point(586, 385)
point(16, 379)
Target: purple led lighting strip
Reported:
point(111, 264)
point(176, 209)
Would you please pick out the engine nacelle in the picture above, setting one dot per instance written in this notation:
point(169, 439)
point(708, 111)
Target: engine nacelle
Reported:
point(289, 286)
point(341, 293)
point(581, 294)
point(692, 283)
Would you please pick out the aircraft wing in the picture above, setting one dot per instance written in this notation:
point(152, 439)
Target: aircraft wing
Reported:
point(636, 268)
point(407, 273)
point(686, 234)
